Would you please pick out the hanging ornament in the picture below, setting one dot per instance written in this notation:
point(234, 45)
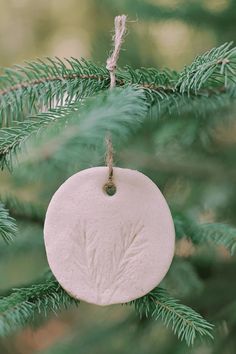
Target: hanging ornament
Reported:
point(109, 234)
point(107, 249)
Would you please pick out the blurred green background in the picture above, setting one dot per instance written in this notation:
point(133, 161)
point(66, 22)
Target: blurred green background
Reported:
point(164, 33)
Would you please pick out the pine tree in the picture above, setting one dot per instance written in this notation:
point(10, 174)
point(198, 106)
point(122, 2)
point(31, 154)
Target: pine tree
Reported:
point(54, 117)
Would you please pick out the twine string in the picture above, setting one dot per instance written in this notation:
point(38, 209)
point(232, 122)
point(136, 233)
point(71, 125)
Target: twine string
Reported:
point(120, 30)
point(109, 187)
point(109, 160)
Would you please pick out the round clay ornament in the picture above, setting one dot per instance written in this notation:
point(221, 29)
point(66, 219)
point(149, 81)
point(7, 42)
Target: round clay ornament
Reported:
point(108, 249)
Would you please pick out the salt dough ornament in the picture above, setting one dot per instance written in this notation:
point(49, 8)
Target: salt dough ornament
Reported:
point(109, 249)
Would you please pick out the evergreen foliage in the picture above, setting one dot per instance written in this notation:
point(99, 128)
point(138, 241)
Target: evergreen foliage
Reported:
point(22, 210)
point(8, 227)
point(23, 304)
point(54, 117)
point(119, 112)
point(216, 233)
point(185, 322)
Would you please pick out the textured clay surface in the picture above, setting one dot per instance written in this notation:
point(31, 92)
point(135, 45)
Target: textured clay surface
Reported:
point(109, 249)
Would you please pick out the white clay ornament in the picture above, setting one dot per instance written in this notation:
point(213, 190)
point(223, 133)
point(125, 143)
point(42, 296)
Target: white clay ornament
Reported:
point(109, 249)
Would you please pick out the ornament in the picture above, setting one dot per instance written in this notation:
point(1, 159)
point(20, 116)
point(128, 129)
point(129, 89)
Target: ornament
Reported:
point(107, 249)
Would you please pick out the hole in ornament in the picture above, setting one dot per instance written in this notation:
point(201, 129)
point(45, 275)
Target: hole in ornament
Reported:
point(110, 189)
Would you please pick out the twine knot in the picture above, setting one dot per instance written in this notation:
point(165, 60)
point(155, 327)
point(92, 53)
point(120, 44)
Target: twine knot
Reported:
point(111, 65)
point(120, 30)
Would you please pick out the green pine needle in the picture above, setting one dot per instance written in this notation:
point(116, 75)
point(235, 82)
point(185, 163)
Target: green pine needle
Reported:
point(22, 305)
point(119, 112)
point(62, 105)
point(12, 138)
point(215, 68)
point(43, 85)
point(49, 83)
point(24, 210)
point(216, 233)
point(184, 322)
point(210, 233)
point(8, 228)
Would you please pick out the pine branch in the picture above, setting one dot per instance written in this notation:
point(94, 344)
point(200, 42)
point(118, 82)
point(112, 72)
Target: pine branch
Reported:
point(12, 138)
point(30, 220)
point(210, 76)
point(219, 234)
point(184, 322)
point(25, 211)
point(120, 112)
point(215, 68)
point(200, 105)
point(8, 228)
point(21, 307)
point(214, 233)
point(49, 83)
